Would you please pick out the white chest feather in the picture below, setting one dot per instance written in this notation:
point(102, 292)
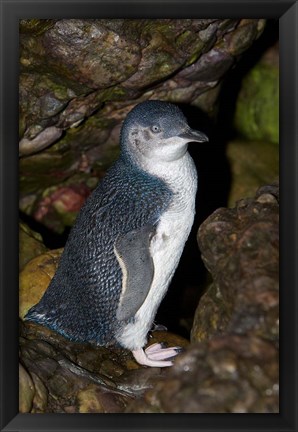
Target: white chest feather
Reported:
point(175, 224)
point(167, 244)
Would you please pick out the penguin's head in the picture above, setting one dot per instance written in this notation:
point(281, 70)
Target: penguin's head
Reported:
point(158, 131)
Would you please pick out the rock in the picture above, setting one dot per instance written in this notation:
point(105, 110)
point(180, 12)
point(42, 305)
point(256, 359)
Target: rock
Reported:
point(40, 399)
point(240, 248)
point(257, 110)
point(57, 364)
point(40, 141)
point(26, 390)
point(73, 377)
point(33, 394)
point(30, 245)
point(35, 278)
point(74, 94)
point(59, 206)
point(93, 400)
point(252, 163)
point(227, 374)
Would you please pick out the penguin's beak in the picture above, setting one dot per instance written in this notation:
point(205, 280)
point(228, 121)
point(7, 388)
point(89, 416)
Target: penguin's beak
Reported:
point(194, 135)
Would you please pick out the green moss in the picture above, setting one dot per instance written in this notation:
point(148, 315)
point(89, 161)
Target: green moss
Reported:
point(257, 110)
point(112, 93)
point(183, 38)
point(66, 219)
point(194, 57)
point(192, 44)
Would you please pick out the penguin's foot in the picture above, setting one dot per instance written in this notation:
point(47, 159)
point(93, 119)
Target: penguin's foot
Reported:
point(156, 355)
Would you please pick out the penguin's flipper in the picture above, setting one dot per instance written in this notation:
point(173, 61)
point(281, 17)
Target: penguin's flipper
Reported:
point(133, 253)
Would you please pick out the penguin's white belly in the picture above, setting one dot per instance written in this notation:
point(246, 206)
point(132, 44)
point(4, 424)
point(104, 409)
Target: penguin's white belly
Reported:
point(166, 248)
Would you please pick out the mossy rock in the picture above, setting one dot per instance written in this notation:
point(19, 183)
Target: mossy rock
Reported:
point(35, 278)
point(257, 108)
point(30, 245)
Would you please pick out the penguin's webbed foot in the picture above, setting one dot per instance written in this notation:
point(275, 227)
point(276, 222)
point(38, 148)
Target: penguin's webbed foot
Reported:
point(156, 355)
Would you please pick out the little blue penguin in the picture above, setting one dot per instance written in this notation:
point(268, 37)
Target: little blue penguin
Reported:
point(128, 238)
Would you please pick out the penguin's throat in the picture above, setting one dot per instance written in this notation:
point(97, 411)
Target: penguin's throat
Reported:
point(163, 156)
point(172, 171)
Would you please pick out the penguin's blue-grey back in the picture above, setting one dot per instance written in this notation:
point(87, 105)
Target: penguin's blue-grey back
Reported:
point(82, 298)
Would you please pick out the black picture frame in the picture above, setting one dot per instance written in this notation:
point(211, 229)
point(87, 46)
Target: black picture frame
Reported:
point(11, 12)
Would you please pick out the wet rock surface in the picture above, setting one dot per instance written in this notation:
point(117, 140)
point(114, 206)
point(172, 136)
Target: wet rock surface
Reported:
point(74, 93)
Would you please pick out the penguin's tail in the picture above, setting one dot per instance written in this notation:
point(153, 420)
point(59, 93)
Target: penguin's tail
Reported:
point(34, 315)
point(51, 319)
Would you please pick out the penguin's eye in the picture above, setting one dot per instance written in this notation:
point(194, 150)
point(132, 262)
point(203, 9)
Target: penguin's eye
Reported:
point(155, 129)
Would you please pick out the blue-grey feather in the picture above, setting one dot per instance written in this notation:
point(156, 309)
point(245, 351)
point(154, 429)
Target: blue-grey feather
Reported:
point(82, 298)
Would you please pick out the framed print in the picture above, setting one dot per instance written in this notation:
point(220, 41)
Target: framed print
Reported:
point(148, 166)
